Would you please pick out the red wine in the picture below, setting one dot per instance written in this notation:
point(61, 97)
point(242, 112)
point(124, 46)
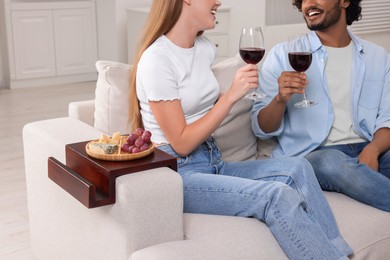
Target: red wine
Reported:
point(300, 61)
point(252, 55)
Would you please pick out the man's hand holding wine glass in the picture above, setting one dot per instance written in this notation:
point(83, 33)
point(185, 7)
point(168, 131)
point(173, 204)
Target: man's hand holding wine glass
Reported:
point(290, 83)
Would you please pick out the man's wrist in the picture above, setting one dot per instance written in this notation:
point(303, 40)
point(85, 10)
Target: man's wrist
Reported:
point(279, 100)
point(373, 150)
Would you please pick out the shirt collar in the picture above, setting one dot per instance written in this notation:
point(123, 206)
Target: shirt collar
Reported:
point(316, 43)
point(357, 42)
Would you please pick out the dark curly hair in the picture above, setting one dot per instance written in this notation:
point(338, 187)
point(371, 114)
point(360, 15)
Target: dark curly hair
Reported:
point(353, 11)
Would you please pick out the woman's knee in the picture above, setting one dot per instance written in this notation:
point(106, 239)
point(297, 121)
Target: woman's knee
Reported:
point(284, 199)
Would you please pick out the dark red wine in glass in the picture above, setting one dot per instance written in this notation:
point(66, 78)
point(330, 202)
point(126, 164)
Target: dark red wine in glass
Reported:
point(299, 56)
point(300, 61)
point(251, 49)
point(252, 55)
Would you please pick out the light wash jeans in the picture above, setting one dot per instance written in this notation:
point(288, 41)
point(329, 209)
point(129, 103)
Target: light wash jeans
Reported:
point(337, 169)
point(282, 193)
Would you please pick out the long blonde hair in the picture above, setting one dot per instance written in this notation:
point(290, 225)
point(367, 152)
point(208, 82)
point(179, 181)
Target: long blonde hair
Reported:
point(162, 17)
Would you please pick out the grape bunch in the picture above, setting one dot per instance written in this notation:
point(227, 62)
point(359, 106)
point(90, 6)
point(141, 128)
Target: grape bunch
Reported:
point(138, 141)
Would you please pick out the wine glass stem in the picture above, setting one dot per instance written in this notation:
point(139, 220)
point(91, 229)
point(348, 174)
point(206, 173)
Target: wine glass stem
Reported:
point(304, 93)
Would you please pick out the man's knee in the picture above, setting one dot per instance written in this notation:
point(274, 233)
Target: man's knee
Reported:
point(326, 158)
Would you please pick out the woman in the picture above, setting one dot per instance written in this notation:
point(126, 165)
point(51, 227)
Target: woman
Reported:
point(176, 96)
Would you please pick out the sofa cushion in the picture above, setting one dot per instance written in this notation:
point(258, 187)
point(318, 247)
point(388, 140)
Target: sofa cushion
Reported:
point(211, 237)
point(112, 97)
point(365, 228)
point(234, 136)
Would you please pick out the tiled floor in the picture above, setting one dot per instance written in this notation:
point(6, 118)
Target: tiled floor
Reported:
point(18, 107)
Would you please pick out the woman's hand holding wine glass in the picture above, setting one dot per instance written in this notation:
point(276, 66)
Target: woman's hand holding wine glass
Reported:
point(300, 56)
point(252, 51)
point(246, 78)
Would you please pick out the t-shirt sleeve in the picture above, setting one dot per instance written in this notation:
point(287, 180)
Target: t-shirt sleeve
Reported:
point(157, 77)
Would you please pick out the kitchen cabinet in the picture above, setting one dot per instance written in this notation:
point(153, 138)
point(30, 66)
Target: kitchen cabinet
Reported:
point(33, 38)
point(51, 42)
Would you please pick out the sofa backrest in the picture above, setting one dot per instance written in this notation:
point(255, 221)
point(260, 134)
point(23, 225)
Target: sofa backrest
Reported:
point(234, 137)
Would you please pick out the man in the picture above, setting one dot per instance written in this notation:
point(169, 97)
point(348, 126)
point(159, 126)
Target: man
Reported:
point(346, 135)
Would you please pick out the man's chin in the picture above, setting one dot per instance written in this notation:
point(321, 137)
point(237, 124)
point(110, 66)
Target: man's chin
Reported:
point(313, 27)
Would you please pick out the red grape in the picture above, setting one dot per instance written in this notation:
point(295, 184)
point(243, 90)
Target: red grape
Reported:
point(131, 147)
point(139, 142)
point(139, 131)
point(131, 139)
point(144, 147)
point(146, 139)
point(146, 136)
point(125, 147)
point(135, 150)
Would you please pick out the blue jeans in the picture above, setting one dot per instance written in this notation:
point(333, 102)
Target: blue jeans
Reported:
point(282, 193)
point(337, 169)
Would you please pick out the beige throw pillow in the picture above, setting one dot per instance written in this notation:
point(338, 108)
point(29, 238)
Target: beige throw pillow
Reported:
point(234, 136)
point(112, 97)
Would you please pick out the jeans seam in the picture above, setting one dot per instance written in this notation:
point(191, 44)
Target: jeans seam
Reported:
point(285, 228)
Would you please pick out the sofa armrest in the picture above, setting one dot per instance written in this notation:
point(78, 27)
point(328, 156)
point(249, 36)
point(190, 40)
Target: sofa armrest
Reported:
point(83, 111)
point(148, 208)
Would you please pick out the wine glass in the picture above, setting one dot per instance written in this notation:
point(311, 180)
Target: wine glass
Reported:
point(299, 56)
point(252, 51)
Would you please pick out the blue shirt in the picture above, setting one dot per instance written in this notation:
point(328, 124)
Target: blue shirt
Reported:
point(304, 129)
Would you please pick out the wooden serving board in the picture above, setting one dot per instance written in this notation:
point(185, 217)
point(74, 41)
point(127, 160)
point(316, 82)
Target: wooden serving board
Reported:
point(119, 156)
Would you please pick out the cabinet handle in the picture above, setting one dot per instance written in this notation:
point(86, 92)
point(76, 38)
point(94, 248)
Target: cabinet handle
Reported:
point(217, 45)
point(217, 22)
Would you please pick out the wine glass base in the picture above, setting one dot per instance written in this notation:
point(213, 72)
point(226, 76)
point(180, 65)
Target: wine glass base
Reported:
point(254, 96)
point(305, 103)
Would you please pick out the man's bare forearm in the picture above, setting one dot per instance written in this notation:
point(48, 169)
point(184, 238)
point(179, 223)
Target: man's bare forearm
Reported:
point(381, 140)
point(270, 117)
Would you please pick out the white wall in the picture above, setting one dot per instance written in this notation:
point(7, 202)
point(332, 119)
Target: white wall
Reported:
point(112, 27)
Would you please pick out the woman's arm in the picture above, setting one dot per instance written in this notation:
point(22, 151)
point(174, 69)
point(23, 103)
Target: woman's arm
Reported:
point(185, 138)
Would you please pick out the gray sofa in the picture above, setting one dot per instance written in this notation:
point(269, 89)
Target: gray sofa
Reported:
point(147, 220)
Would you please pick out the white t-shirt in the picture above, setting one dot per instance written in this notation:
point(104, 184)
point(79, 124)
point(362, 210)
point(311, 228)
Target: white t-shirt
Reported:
point(338, 71)
point(168, 72)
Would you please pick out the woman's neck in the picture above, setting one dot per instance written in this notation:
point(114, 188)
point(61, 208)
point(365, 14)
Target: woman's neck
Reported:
point(182, 33)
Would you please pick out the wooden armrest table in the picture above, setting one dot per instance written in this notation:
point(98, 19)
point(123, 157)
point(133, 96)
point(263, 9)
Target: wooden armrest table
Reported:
point(92, 181)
